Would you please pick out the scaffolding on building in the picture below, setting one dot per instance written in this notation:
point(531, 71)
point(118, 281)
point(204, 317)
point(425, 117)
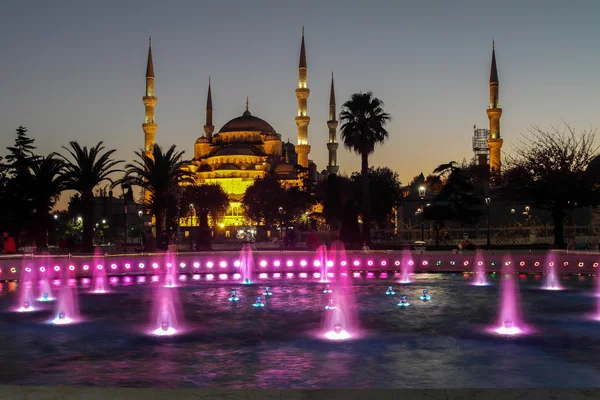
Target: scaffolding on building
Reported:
point(481, 150)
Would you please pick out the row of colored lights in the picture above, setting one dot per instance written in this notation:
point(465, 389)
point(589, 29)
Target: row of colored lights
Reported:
point(290, 263)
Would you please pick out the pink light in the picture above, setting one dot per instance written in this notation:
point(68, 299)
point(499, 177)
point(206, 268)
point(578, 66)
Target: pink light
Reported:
point(330, 274)
point(56, 268)
point(356, 263)
point(263, 275)
point(222, 276)
point(595, 265)
point(316, 275)
point(196, 265)
point(411, 262)
point(127, 265)
point(536, 264)
point(329, 263)
point(289, 275)
point(237, 276)
point(479, 262)
point(236, 263)
point(383, 275)
point(114, 266)
point(223, 264)
point(169, 265)
point(370, 275)
point(580, 264)
point(42, 269)
point(383, 263)
point(99, 266)
point(114, 280)
point(56, 282)
point(369, 263)
point(196, 277)
point(466, 263)
point(276, 263)
point(154, 278)
point(397, 263)
point(424, 263)
point(303, 275)
point(263, 263)
point(154, 265)
point(317, 263)
point(28, 269)
point(140, 279)
point(343, 263)
point(303, 263)
point(356, 274)
point(289, 263)
point(209, 264)
point(277, 275)
point(522, 263)
point(210, 277)
point(141, 265)
point(182, 265)
point(183, 277)
point(566, 264)
point(86, 281)
point(551, 263)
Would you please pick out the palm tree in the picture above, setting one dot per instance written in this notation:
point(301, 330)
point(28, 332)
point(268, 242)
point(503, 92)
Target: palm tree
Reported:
point(48, 180)
point(160, 175)
point(363, 127)
point(207, 199)
point(87, 169)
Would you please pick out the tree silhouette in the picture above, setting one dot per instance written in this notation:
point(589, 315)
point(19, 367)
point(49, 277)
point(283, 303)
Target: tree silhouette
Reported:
point(208, 200)
point(551, 170)
point(363, 128)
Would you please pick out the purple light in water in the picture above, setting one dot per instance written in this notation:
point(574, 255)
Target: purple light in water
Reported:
point(99, 266)
point(236, 263)
point(210, 277)
point(154, 278)
point(42, 269)
point(263, 275)
point(196, 264)
point(551, 279)
point(276, 263)
point(383, 263)
point(289, 263)
point(86, 267)
point(222, 276)
point(86, 281)
point(370, 275)
point(140, 279)
point(289, 275)
point(113, 266)
point(98, 275)
point(127, 265)
point(166, 312)
point(356, 263)
point(406, 268)
point(316, 275)
point(329, 264)
point(114, 280)
point(67, 306)
point(183, 277)
point(209, 264)
point(509, 321)
point(383, 275)
point(196, 277)
point(56, 268)
point(237, 276)
point(247, 264)
point(343, 263)
point(317, 263)
point(370, 263)
point(263, 263)
point(397, 263)
point(303, 275)
point(181, 265)
point(223, 264)
point(141, 265)
point(356, 274)
point(322, 262)
point(26, 296)
point(277, 275)
point(303, 263)
point(155, 265)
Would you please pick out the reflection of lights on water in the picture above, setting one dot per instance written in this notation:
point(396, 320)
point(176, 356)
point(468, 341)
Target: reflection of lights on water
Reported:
point(337, 333)
point(62, 319)
point(508, 330)
point(26, 308)
point(481, 284)
point(552, 288)
point(99, 291)
point(161, 332)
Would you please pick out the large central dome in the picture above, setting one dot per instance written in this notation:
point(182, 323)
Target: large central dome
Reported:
point(247, 123)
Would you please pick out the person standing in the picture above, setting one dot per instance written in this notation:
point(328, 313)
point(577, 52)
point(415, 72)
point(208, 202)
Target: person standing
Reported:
point(10, 247)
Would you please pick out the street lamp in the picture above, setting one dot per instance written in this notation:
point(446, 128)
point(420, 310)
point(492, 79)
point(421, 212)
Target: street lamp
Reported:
point(488, 200)
point(422, 196)
point(55, 216)
point(141, 214)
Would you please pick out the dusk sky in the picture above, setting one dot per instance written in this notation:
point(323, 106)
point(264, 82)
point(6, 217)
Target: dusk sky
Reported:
point(74, 70)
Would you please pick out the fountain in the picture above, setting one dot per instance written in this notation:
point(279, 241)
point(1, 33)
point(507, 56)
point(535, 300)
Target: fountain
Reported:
point(267, 291)
point(425, 296)
point(510, 321)
point(67, 306)
point(551, 281)
point(26, 297)
point(170, 270)
point(390, 291)
point(321, 259)
point(234, 297)
point(403, 302)
point(246, 264)
point(330, 305)
point(166, 312)
point(480, 274)
point(259, 302)
point(406, 267)
point(340, 322)
point(45, 281)
point(99, 283)
point(327, 289)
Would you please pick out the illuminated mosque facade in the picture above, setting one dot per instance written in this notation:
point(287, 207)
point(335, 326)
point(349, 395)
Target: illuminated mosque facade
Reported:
point(248, 147)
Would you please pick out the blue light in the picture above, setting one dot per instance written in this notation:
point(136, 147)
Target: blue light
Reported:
point(425, 295)
point(390, 291)
point(247, 281)
point(234, 296)
point(327, 289)
point(259, 302)
point(403, 302)
point(267, 292)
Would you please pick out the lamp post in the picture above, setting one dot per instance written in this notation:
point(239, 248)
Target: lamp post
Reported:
point(488, 200)
point(422, 196)
point(141, 214)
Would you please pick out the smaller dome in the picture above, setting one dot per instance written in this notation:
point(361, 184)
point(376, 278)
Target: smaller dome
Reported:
point(272, 136)
point(228, 167)
point(202, 139)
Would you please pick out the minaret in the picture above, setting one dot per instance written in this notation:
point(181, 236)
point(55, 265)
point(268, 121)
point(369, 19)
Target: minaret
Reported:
point(332, 124)
point(494, 113)
point(209, 127)
point(302, 120)
point(149, 126)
